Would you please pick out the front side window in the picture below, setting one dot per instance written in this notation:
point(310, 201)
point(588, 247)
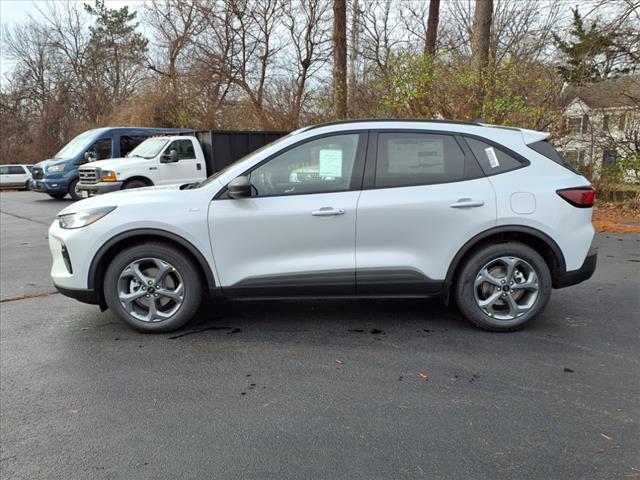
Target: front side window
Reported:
point(319, 166)
point(184, 148)
point(100, 150)
point(406, 159)
point(492, 159)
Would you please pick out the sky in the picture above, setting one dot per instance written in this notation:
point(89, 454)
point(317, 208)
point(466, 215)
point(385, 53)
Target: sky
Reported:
point(15, 12)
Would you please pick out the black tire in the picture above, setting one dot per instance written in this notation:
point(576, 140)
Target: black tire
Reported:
point(57, 196)
point(27, 186)
point(72, 190)
point(134, 184)
point(184, 267)
point(466, 292)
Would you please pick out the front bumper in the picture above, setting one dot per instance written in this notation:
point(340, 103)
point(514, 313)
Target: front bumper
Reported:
point(573, 277)
point(98, 188)
point(58, 185)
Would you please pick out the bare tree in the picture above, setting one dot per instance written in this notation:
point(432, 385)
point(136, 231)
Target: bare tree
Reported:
point(481, 33)
point(432, 27)
point(340, 58)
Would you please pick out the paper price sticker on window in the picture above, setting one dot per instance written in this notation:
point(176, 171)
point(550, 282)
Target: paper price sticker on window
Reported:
point(330, 163)
point(493, 159)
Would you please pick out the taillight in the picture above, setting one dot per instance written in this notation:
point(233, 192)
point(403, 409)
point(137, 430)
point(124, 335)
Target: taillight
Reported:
point(581, 197)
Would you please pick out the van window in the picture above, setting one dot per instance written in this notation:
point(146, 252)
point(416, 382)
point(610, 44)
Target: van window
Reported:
point(4, 170)
point(129, 142)
point(102, 149)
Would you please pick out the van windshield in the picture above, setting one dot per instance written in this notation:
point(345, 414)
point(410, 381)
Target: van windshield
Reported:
point(76, 146)
point(150, 148)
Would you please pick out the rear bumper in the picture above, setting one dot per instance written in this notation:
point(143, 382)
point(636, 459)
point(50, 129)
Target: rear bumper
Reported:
point(573, 277)
point(101, 187)
point(82, 295)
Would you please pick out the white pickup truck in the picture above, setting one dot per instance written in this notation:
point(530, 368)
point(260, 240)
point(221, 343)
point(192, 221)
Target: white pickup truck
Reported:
point(175, 159)
point(156, 161)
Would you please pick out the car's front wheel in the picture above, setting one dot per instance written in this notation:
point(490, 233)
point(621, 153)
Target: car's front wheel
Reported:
point(502, 287)
point(153, 287)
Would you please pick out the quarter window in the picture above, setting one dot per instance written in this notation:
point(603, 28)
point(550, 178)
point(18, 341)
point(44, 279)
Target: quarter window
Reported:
point(406, 159)
point(319, 166)
point(4, 170)
point(492, 159)
point(184, 148)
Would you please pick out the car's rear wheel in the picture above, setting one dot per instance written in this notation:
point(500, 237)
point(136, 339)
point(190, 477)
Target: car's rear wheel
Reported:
point(153, 287)
point(503, 287)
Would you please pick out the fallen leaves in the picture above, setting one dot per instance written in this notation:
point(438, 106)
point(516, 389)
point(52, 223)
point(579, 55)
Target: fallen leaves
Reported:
point(424, 376)
point(339, 361)
point(604, 435)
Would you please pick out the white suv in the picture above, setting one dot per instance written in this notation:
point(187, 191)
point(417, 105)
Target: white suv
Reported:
point(490, 216)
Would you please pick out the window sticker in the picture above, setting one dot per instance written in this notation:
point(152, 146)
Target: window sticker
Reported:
point(413, 156)
point(330, 164)
point(493, 159)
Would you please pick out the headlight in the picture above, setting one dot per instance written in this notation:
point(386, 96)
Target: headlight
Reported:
point(109, 176)
point(83, 218)
point(56, 168)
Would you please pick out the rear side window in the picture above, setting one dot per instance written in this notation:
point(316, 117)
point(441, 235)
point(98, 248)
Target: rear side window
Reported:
point(545, 148)
point(16, 170)
point(492, 159)
point(129, 142)
point(406, 159)
point(4, 170)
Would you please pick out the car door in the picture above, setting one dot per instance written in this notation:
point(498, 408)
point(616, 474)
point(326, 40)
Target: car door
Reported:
point(186, 169)
point(424, 196)
point(296, 233)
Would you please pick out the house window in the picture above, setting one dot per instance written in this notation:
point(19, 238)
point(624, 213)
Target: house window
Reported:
point(605, 122)
point(574, 124)
point(608, 158)
point(621, 123)
point(575, 157)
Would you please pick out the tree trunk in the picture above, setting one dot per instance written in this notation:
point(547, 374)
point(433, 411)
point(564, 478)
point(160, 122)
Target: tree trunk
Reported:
point(432, 27)
point(480, 41)
point(339, 59)
point(353, 50)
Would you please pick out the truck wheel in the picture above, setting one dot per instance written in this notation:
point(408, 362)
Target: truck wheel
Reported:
point(134, 184)
point(502, 287)
point(57, 196)
point(74, 193)
point(153, 287)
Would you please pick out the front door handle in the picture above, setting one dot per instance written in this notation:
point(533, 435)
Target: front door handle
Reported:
point(327, 212)
point(466, 203)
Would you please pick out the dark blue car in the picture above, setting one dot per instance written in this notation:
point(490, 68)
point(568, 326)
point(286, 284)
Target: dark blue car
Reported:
point(58, 176)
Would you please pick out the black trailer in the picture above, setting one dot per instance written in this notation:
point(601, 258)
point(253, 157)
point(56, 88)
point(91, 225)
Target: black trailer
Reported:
point(223, 147)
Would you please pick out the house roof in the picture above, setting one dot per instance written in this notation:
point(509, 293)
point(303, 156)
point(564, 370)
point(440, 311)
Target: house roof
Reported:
point(618, 92)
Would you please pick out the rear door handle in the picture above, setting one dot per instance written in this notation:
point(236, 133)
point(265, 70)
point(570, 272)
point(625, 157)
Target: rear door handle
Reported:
point(466, 203)
point(327, 212)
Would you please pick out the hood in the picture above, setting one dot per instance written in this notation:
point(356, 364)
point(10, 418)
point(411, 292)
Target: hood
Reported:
point(135, 196)
point(50, 161)
point(117, 163)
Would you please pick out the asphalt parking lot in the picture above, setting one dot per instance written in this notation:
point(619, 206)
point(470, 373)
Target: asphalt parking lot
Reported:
point(315, 389)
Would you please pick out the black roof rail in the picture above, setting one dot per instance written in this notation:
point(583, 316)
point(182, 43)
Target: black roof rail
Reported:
point(369, 120)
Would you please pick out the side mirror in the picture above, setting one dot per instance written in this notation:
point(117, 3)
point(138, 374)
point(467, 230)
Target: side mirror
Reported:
point(171, 157)
point(239, 187)
point(89, 156)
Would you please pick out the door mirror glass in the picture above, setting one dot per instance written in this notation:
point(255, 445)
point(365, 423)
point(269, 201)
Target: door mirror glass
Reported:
point(239, 187)
point(171, 157)
point(89, 156)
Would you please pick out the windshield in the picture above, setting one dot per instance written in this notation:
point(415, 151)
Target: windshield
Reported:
point(246, 158)
point(150, 148)
point(76, 146)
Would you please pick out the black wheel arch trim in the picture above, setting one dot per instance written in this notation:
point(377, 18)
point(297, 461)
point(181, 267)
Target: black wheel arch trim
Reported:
point(155, 232)
point(560, 269)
